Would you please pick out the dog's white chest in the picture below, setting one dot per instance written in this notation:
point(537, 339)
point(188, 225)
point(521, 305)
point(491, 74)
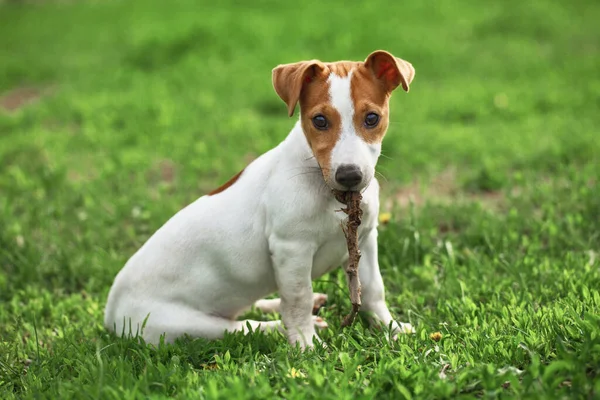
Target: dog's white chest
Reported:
point(330, 255)
point(333, 250)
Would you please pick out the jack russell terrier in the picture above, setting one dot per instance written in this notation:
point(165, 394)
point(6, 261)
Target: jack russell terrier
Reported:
point(275, 226)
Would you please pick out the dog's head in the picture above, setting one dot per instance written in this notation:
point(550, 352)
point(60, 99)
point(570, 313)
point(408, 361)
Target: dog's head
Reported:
point(344, 111)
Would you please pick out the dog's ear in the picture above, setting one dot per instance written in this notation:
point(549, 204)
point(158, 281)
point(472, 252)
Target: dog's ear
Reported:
point(393, 71)
point(289, 79)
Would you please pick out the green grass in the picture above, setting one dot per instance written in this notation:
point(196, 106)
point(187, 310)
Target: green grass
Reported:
point(147, 105)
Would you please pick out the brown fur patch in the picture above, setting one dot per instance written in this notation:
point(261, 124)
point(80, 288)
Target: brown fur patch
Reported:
point(342, 68)
point(369, 95)
point(314, 101)
point(392, 71)
point(227, 184)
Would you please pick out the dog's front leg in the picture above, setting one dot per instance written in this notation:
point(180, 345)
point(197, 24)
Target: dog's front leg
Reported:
point(373, 292)
point(292, 262)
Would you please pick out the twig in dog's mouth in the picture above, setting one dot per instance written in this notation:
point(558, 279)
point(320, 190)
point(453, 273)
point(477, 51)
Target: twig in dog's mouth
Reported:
point(352, 201)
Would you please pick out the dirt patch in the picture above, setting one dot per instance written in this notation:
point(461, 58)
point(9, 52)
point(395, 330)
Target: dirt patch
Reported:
point(162, 171)
point(167, 170)
point(444, 188)
point(20, 97)
point(82, 174)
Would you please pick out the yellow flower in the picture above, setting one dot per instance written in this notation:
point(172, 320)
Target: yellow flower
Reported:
point(384, 218)
point(295, 373)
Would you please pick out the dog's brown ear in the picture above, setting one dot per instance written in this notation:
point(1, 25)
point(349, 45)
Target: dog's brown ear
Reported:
point(289, 79)
point(393, 71)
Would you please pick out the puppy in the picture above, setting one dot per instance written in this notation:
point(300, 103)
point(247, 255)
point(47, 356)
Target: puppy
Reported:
point(274, 226)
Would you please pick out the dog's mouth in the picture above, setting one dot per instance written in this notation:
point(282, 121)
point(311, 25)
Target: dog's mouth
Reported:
point(358, 188)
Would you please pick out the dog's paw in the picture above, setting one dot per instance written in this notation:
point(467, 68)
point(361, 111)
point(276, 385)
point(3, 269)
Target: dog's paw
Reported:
point(319, 322)
point(306, 338)
point(403, 328)
point(319, 300)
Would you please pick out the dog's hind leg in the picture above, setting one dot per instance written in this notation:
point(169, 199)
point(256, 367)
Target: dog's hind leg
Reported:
point(273, 305)
point(174, 322)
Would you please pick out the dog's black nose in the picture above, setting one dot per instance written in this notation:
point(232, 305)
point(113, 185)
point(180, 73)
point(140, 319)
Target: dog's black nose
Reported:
point(348, 175)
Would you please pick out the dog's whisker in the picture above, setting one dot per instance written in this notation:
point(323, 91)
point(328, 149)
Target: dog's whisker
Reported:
point(308, 173)
point(324, 187)
point(305, 168)
point(381, 175)
point(303, 173)
point(366, 187)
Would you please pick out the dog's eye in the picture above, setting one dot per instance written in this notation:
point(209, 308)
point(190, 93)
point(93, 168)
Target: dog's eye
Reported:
point(320, 122)
point(371, 120)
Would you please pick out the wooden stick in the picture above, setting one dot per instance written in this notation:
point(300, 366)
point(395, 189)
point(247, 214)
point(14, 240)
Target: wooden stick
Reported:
point(352, 201)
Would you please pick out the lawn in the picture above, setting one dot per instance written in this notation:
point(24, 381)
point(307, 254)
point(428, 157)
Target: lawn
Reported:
point(116, 114)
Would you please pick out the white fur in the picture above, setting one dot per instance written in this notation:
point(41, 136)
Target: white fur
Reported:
point(350, 148)
point(276, 229)
point(341, 99)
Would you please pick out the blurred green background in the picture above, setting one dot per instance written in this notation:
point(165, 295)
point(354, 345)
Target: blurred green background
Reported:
point(115, 114)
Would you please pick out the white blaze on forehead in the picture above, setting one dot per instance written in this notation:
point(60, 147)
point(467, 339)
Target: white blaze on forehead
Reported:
point(341, 100)
point(350, 147)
